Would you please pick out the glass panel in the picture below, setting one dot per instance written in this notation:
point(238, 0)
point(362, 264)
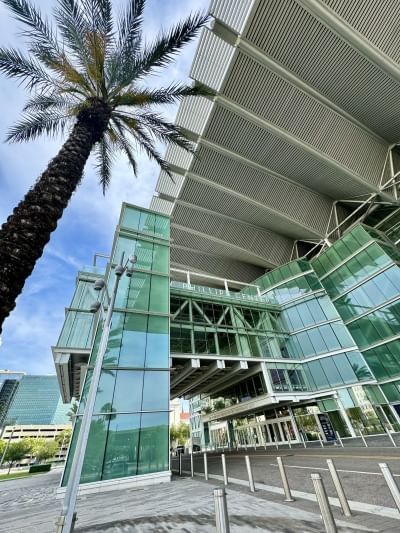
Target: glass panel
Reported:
point(130, 218)
point(154, 445)
point(144, 254)
point(128, 391)
point(155, 391)
point(157, 349)
point(159, 296)
point(161, 258)
point(133, 346)
point(122, 447)
point(105, 391)
point(93, 462)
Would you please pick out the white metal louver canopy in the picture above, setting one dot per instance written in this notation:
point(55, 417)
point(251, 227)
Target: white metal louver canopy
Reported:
point(304, 116)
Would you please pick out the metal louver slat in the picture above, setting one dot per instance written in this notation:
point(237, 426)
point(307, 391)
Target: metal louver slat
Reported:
point(161, 205)
point(169, 186)
point(232, 14)
point(290, 35)
point(212, 60)
point(376, 21)
point(193, 113)
point(177, 156)
point(304, 117)
point(214, 265)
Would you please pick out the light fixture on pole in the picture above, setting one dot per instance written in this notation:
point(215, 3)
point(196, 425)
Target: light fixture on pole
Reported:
point(65, 523)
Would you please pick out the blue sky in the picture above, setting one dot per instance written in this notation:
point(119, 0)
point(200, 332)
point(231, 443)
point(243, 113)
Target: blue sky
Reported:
point(89, 221)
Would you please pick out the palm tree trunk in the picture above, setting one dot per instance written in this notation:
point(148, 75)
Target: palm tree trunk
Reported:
point(26, 232)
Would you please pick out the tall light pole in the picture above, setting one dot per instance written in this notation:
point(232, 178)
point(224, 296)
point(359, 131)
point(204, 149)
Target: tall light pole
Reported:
point(65, 523)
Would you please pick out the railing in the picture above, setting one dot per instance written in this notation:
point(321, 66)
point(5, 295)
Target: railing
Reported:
point(200, 289)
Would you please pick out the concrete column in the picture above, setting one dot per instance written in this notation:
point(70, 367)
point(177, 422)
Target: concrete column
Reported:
point(294, 424)
point(267, 379)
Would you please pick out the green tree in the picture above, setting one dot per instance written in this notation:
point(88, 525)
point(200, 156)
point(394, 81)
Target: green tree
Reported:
point(179, 433)
point(3, 445)
point(16, 451)
point(45, 449)
point(86, 75)
point(63, 438)
point(73, 411)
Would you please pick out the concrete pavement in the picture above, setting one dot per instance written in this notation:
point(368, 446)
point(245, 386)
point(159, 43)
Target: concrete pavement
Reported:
point(185, 505)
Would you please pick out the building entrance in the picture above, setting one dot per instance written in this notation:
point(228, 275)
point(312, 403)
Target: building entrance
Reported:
point(276, 431)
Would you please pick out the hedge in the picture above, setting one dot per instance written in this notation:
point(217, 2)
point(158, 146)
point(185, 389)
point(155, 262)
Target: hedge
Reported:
point(40, 468)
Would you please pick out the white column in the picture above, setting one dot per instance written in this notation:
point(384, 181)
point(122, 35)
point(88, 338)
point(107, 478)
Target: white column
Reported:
point(345, 416)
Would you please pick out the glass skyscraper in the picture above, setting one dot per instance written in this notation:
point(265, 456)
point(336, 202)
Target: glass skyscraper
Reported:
point(37, 401)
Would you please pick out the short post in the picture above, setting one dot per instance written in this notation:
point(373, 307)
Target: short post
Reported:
point(339, 488)
point(205, 466)
point(286, 488)
point(191, 463)
point(323, 502)
point(390, 437)
point(249, 474)
point(339, 439)
point(391, 483)
point(224, 469)
point(364, 441)
point(180, 464)
point(320, 440)
point(221, 511)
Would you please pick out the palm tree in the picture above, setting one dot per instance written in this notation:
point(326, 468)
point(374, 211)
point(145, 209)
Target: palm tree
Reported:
point(84, 73)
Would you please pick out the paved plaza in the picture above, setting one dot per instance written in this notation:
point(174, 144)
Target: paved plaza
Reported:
point(185, 505)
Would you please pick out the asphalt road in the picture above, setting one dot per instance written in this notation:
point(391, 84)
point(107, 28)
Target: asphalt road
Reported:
point(358, 469)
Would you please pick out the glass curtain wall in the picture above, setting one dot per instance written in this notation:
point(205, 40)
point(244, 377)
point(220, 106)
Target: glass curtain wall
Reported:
point(129, 433)
point(360, 273)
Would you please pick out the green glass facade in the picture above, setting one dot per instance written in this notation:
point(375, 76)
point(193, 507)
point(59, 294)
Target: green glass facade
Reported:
point(129, 433)
point(320, 338)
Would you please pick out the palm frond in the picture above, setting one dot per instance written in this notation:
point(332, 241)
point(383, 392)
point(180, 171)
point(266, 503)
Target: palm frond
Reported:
point(39, 29)
point(163, 130)
point(123, 143)
point(167, 45)
point(146, 143)
point(34, 124)
point(164, 95)
point(73, 27)
point(42, 102)
point(98, 14)
point(129, 36)
point(104, 159)
point(15, 65)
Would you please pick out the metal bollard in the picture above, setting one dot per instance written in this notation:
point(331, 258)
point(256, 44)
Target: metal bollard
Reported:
point(339, 439)
point(224, 469)
point(249, 474)
point(191, 464)
point(221, 511)
point(364, 441)
point(339, 488)
point(391, 483)
point(390, 437)
point(205, 466)
point(320, 440)
point(323, 502)
point(180, 464)
point(286, 488)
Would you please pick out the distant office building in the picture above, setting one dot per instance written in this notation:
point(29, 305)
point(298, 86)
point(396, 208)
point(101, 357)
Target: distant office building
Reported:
point(36, 401)
point(8, 385)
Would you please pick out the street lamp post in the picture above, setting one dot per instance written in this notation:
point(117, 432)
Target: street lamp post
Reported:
point(65, 523)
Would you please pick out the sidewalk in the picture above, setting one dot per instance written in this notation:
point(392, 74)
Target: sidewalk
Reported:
point(185, 505)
